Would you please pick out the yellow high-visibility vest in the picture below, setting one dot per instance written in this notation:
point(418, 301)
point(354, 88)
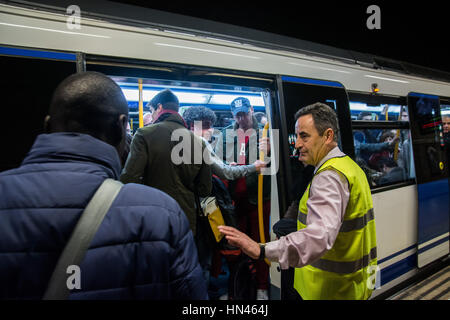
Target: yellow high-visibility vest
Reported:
point(347, 270)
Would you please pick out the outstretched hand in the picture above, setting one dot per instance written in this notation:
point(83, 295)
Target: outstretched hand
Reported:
point(239, 239)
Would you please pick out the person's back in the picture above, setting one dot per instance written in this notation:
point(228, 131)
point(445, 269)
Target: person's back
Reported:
point(143, 249)
point(167, 156)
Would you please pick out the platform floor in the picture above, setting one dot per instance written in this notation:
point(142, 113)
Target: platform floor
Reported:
point(435, 287)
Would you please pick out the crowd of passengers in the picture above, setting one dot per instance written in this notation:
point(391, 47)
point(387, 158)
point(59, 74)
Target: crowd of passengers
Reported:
point(384, 155)
point(150, 244)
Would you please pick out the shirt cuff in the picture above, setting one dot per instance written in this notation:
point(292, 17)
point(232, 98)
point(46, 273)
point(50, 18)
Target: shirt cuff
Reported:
point(272, 252)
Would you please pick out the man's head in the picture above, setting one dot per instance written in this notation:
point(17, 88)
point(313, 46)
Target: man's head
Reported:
point(242, 112)
point(90, 103)
point(165, 100)
point(446, 123)
point(206, 116)
point(387, 136)
point(316, 127)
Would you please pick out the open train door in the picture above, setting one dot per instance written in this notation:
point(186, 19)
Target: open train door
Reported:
point(432, 177)
point(295, 93)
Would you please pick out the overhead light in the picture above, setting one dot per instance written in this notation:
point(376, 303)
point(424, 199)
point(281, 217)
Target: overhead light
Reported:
point(387, 79)
point(255, 101)
point(194, 97)
point(205, 50)
point(53, 30)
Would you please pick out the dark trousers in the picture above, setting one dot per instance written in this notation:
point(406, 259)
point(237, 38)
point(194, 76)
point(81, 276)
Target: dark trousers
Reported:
point(287, 285)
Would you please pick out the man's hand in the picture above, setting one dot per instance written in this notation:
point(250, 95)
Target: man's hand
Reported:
point(393, 142)
point(264, 146)
point(241, 240)
point(259, 164)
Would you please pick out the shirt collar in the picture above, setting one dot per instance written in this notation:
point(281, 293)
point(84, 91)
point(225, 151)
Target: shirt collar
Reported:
point(334, 153)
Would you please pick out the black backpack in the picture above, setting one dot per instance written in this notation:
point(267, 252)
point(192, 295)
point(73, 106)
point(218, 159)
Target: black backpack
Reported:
point(242, 282)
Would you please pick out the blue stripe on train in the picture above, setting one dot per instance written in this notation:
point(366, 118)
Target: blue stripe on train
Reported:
point(38, 54)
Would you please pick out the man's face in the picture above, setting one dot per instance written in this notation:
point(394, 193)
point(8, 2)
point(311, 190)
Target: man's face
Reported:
point(310, 144)
point(446, 124)
point(244, 120)
point(155, 111)
point(204, 129)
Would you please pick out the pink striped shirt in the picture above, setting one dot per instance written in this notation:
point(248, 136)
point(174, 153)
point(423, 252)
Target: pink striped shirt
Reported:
point(329, 195)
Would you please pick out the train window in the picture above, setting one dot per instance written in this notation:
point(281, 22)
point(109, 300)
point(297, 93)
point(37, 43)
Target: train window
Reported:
point(445, 115)
point(298, 93)
point(189, 95)
point(382, 139)
point(381, 112)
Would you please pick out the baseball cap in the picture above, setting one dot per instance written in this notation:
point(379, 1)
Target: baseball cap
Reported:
point(240, 104)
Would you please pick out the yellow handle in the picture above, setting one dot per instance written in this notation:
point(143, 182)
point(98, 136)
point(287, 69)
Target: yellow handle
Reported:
point(397, 135)
point(260, 195)
point(141, 105)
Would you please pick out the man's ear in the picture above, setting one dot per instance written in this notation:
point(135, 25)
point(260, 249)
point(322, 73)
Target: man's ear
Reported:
point(329, 135)
point(47, 126)
point(123, 120)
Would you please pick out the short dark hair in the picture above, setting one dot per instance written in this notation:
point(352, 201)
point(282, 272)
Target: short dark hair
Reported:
point(167, 99)
point(323, 115)
point(199, 113)
point(90, 103)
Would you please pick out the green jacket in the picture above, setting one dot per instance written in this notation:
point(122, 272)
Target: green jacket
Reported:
point(228, 147)
point(151, 162)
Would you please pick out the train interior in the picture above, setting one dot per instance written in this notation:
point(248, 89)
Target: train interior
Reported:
point(213, 95)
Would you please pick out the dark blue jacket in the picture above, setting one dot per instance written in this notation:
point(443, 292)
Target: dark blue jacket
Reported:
point(144, 248)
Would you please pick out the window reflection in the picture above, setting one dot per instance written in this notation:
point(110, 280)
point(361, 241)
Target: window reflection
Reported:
point(378, 112)
point(383, 151)
point(384, 155)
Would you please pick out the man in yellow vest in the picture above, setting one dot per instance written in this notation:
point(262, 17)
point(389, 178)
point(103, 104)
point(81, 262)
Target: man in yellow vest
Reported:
point(334, 250)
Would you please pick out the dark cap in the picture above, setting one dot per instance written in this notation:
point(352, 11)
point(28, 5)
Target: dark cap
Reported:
point(166, 98)
point(240, 104)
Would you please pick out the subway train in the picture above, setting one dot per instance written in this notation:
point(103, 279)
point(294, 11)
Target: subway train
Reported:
point(375, 102)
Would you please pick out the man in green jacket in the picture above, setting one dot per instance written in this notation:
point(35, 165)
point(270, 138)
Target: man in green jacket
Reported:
point(153, 162)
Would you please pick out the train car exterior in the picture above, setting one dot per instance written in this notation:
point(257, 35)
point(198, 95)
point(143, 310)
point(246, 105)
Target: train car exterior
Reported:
point(412, 214)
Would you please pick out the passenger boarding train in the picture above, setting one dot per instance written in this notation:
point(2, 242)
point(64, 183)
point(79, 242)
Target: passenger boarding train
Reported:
point(374, 106)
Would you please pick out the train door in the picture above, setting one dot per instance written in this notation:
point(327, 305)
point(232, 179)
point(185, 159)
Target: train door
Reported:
point(295, 93)
point(29, 77)
point(432, 177)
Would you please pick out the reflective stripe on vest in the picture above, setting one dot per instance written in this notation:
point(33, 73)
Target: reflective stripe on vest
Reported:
point(343, 271)
point(347, 225)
